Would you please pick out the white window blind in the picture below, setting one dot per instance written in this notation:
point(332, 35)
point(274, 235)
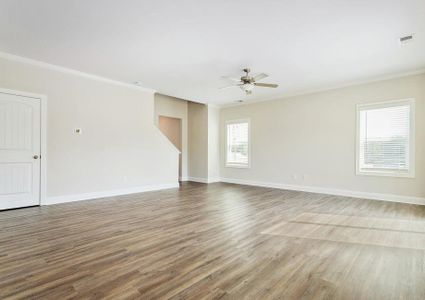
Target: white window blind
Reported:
point(237, 147)
point(385, 139)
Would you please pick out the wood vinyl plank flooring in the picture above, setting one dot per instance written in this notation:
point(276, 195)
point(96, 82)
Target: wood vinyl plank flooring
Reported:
point(216, 241)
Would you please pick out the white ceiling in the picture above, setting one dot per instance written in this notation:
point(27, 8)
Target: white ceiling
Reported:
point(183, 47)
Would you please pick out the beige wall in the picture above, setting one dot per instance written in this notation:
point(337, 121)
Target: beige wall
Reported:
point(198, 140)
point(120, 148)
point(175, 108)
point(310, 140)
point(213, 143)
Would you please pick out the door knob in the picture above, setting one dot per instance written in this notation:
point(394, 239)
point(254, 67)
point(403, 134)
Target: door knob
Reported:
point(35, 157)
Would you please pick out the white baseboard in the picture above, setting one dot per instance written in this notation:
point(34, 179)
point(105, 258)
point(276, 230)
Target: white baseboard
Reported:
point(197, 179)
point(213, 180)
point(310, 189)
point(203, 180)
point(330, 191)
point(104, 194)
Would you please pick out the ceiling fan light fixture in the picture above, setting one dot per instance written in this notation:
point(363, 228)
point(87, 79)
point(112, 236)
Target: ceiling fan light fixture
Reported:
point(247, 83)
point(247, 87)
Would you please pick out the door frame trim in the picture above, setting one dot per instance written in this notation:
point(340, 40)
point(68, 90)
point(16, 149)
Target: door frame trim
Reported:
point(43, 138)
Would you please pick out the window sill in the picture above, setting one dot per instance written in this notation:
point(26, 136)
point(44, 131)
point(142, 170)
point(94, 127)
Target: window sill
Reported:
point(237, 166)
point(385, 174)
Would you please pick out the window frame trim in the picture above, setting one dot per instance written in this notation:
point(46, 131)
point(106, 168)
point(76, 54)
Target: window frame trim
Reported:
point(236, 165)
point(412, 135)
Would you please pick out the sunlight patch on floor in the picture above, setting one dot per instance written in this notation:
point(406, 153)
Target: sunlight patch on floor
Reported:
point(351, 229)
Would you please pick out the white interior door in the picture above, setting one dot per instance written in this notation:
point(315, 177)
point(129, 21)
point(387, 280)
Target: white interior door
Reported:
point(19, 151)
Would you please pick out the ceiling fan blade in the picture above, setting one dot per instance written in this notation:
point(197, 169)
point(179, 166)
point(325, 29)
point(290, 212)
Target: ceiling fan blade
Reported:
point(269, 85)
point(260, 76)
point(229, 86)
point(231, 78)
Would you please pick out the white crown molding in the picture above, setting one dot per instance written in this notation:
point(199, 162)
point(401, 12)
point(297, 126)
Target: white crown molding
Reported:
point(330, 191)
point(213, 105)
point(327, 89)
point(105, 194)
point(41, 64)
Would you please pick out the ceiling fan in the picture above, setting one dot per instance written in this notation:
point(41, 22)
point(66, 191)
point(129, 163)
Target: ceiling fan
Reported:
point(247, 82)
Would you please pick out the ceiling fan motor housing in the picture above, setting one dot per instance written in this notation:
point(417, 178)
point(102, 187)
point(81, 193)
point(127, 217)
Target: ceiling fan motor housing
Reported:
point(247, 78)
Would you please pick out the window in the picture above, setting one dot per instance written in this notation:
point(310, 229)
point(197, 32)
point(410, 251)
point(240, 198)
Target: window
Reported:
point(237, 146)
point(385, 139)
